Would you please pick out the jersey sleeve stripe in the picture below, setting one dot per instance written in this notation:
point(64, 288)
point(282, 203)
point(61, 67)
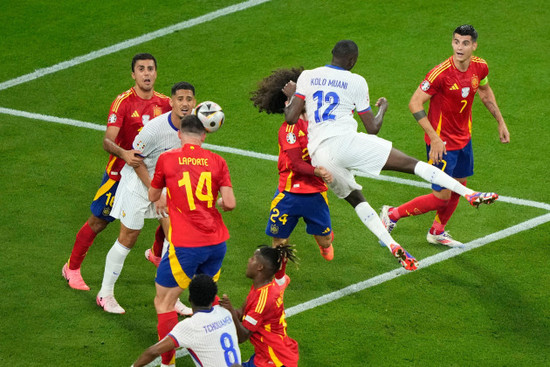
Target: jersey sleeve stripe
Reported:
point(441, 68)
point(364, 111)
point(262, 300)
point(301, 96)
point(121, 98)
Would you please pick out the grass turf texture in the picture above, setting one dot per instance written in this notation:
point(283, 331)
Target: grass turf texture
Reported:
point(485, 307)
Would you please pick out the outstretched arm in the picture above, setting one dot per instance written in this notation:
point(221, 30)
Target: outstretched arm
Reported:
point(488, 98)
point(371, 122)
point(416, 106)
point(154, 351)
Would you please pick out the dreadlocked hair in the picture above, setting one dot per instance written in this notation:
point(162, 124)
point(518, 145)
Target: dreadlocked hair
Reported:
point(276, 255)
point(269, 96)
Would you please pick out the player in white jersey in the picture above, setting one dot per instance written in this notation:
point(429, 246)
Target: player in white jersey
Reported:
point(331, 94)
point(209, 335)
point(132, 204)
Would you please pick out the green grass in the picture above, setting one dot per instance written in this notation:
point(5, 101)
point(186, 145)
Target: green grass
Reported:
point(488, 306)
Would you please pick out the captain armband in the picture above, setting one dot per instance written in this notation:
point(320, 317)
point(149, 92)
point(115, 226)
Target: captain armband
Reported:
point(484, 81)
point(419, 115)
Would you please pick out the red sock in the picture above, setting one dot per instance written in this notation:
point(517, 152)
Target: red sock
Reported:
point(84, 239)
point(216, 301)
point(417, 206)
point(159, 242)
point(444, 214)
point(166, 322)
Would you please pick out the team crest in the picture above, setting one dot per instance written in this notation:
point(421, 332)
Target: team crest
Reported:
point(290, 138)
point(274, 229)
point(425, 85)
point(475, 81)
point(465, 92)
point(112, 118)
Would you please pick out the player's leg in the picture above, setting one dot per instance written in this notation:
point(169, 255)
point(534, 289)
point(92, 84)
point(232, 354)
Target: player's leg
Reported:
point(399, 161)
point(316, 214)
point(154, 254)
point(167, 317)
point(99, 219)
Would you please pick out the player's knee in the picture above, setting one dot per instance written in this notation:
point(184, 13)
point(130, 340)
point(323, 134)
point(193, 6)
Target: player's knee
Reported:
point(355, 198)
point(97, 224)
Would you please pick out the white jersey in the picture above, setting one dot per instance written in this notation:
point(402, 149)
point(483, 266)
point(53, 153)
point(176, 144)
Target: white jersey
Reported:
point(210, 337)
point(156, 137)
point(331, 96)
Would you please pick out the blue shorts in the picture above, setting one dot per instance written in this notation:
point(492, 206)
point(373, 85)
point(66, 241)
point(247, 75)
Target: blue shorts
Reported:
point(287, 208)
point(455, 163)
point(104, 198)
point(180, 264)
point(250, 362)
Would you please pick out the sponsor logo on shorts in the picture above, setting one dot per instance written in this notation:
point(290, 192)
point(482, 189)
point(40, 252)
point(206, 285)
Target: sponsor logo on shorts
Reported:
point(274, 229)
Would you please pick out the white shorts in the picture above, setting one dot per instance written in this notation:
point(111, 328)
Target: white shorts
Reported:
point(358, 152)
point(132, 209)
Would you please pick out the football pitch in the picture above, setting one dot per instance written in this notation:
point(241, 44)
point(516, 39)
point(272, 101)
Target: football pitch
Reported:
point(486, 304)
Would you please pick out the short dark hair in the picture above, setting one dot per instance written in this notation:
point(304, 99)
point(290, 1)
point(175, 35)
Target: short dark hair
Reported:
point(202, 290)
point(345, 49)
point(269, 96)
point(192, 124)
point(143, 56)
point(466, 30)
point(183, 85)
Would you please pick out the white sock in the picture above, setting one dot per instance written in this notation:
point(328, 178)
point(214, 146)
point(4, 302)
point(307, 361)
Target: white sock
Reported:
point(165, 245)
point(436, 176)
point(371, 220)
point(113, 266)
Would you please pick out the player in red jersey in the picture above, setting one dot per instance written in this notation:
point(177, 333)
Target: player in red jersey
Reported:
point(193, 176)
point(301, 192)
point(129, 112)
point(262, 317)
point(450, 87)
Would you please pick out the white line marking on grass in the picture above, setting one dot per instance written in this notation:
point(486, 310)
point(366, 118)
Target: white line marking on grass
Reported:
point(130, 43)
point(57, 120)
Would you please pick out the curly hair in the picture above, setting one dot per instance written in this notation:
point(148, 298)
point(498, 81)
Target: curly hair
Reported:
point(269, 96)
point(276, 255)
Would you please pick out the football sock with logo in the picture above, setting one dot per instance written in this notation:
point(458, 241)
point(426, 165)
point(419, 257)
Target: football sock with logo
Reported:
point(113, 266)
point(371, 220)
point(159, 241)
point(417, 206)
point(436, 176)
point(84, 239)
point(166, 322)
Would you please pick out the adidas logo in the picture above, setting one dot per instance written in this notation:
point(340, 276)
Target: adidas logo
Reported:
point(301, 133)
point(136, 114)
point(454, 87)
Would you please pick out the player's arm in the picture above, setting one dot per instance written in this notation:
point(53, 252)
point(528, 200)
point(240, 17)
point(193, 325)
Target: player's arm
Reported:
point(154, 351)
point(295, 106)
point(132, 157)
point(242, 333)
point(371, 122)
point(488, 98)
point(227, 200)
point(416, 106)
point(298, 165)
point(154, 194)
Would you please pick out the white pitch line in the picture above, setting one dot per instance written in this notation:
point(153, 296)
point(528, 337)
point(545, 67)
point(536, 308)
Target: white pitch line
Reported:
point(248, 153)
point(130, 43)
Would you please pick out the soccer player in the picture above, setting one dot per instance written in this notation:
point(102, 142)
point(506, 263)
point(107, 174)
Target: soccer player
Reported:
point(301, 192)
point(193, 177)
point(132, 203)
point(129, 112)
point(450, 87)
point(209, 335)
point(330, 95)
point(262, 317)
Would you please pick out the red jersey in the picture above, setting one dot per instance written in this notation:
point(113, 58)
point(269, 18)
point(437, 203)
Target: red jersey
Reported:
point(452, 94)
point(193, 177)
point(264, 316)
point(292, 137)
point(130, 112)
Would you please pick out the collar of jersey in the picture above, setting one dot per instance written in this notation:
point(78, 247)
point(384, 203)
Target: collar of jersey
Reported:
point(206, 311)
point(170, 122)
point(334, 67)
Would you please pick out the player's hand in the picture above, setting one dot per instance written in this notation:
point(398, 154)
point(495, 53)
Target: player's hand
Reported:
point(437, 149)
point(226, 303)
point(289, 89)
point(503, 133)
point(324, 174)
point(382, 104)
point(132, 157)
point(160, 206)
